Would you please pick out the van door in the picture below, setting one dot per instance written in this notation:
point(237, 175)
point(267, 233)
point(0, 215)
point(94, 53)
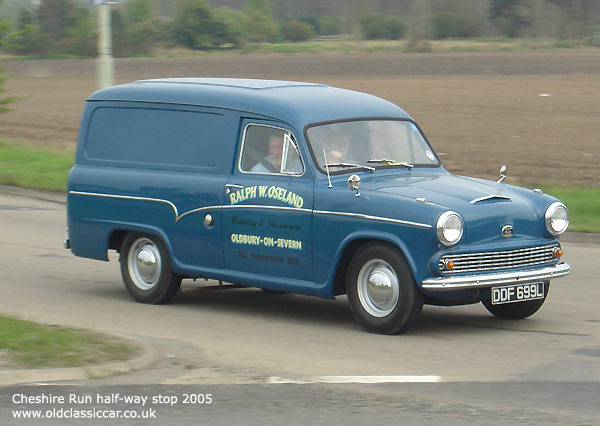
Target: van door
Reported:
point(267, 209)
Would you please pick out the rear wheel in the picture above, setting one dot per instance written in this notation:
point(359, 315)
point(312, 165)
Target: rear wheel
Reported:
point(382, 292)
point(518, 310)
point(146, 269)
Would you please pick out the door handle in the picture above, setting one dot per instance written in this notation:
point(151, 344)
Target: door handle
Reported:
point(230, 186)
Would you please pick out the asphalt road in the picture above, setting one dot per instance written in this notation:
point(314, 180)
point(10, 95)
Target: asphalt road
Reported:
point(233, 343)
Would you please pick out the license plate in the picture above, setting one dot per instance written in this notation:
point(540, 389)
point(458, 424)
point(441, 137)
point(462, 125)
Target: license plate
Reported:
point(517, 293)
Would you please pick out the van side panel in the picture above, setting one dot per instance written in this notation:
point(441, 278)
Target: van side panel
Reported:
point(151, 168)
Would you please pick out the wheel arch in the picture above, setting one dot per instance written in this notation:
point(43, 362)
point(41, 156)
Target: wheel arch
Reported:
point(118, 233)
point(351, 245)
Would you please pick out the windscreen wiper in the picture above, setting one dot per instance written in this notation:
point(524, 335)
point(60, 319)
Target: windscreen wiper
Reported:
point(391, 163)
point(351, 165)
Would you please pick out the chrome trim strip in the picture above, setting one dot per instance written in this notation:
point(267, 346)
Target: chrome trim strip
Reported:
point(378, 218)
point(126, 197)
point(250, 206)
point(358, 215)
point(490, 197)
point(258, 206)
point(196, 211)
point(489, 280)
point(155, 200)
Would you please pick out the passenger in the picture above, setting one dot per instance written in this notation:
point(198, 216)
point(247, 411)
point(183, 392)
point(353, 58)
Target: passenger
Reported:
point(272, 162)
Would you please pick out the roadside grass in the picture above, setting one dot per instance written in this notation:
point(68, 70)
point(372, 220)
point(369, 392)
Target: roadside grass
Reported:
point(583, 205)
point(48, 170)
point(404, 45)
point(346, 44)
point(38, 57)
point(34, 168)
point(34, 345)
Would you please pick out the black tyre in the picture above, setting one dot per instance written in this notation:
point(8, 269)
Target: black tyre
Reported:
point(518, 310)
point(146, 269)
point(382, 292)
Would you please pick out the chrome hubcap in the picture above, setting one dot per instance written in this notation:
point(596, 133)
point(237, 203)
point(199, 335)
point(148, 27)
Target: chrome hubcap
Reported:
point(144, 263)
point(378, 288)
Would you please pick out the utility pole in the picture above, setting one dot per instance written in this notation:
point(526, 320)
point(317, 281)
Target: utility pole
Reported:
point(105, 67)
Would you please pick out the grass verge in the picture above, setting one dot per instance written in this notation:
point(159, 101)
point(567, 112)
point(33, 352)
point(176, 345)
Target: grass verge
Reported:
point(348, 45)
point(34, 168)
point(583, 205)
point(408, 46)
point(34, 345)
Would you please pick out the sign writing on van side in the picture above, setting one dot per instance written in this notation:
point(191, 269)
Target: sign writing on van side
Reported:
point(271, 223)
point(257, 240)
point(264, 191)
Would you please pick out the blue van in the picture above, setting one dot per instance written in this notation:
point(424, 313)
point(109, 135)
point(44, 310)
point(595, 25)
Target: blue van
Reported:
point(300, 188)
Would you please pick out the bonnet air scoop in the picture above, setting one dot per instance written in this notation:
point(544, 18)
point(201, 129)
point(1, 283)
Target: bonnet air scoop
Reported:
point(490, 199)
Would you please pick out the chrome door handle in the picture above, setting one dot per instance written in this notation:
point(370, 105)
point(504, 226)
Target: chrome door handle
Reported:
point(230, 186)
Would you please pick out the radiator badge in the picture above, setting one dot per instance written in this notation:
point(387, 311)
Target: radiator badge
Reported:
point(508, 231)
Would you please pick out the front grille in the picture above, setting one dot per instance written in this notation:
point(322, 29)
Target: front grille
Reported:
point(493, 260)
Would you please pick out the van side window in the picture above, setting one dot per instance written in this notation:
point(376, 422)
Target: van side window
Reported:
point(269, 150)
point(155, 137)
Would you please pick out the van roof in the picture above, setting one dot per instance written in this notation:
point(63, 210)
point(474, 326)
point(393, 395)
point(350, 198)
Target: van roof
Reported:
point(296, 103)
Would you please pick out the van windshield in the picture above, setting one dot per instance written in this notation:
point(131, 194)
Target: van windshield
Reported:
point(369, 143)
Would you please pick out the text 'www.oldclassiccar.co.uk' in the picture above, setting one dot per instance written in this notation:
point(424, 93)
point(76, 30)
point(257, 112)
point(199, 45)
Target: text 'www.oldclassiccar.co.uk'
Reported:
point(99, 406)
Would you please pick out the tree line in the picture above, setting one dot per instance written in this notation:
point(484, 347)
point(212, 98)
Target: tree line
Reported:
point(51, 27)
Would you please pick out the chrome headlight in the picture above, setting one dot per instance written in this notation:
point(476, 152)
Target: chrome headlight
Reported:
point(557, 218)
point(449, 228)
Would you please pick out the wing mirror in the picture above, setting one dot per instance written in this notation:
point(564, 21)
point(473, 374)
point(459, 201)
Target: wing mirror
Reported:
point(354, 183)
point(502, 174)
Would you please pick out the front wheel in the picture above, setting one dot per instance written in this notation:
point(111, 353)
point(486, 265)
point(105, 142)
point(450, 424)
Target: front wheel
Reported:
point(146, 269)
point(382, 292)
point(518, 310)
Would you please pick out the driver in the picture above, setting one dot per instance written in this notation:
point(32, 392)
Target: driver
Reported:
point(338, 150)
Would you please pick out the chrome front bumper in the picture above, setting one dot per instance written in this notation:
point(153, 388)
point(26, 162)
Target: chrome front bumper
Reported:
point(501, 278)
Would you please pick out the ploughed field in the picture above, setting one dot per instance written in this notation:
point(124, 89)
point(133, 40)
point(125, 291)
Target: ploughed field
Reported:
point(538, 112)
